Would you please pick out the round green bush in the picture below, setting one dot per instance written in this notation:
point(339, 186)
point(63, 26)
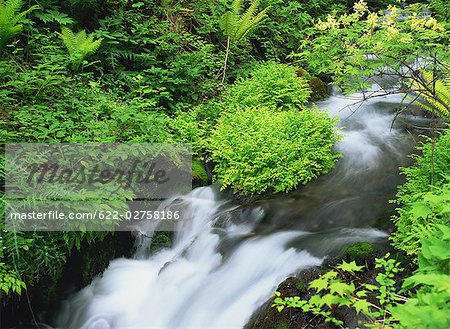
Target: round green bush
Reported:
point(260, 149)
point(272, 85)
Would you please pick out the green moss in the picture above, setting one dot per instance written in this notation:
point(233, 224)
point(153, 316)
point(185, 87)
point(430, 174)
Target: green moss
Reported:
point(302, 73)
point(198, 171)
point(300, 285)
point(359, 250)
point(319, 89)
point(282, 324)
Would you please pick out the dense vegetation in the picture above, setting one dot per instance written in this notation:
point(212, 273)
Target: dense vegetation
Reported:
point(236, 80)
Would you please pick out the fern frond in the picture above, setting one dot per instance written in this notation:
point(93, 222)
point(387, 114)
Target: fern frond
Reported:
point(436, 100)
point(228, 23)
point(79, 45)
point(250, 21)
point(236, 6)
point(237, 26)
point(10, 18)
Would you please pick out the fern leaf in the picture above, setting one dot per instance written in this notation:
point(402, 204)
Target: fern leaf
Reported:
point(228, 23)
point(79, 45)
point(437, 102)
point(236, 25)
point(250, 23)
point(9, 19)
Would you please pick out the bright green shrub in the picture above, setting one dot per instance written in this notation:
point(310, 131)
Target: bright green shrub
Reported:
point(272, 85)
point(46, 104)
point(198, 171)
point(425, 197)
point(9, 280)
point(259, 149)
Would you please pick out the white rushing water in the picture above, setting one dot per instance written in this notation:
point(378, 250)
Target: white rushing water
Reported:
point(190, 285)
point(220, 269)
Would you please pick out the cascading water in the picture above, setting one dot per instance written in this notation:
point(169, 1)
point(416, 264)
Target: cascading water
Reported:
point(230, 259)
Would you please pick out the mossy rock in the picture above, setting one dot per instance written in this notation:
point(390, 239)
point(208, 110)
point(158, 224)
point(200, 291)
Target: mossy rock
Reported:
point(359, 250)
point(302, 73)
point(319, 88)
point(199, 173)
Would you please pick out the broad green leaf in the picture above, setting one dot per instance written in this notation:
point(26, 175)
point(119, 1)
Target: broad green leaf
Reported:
point(350, 267)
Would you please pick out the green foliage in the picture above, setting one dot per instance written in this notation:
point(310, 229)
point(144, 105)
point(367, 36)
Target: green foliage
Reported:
point(429, 306)
point(437, 96)
point(420, 217)
point(428, 290)
point(10, 17)
point(339, 45)
point(10, 281)
point(425, 197)
point(270, 84)
point(332, 290)
point(319, 89)
point(237, 25)
point(54, 16)
point(260, 149)
point(148, 59)
point(189, 127)
point(79, 45)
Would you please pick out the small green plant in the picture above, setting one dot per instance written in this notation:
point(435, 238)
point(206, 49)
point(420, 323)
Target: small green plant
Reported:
point(9, 281)
point(260, 149)
point(237, 26)
point(79, 45)
point(10, 19)
point(332, 289)
point(420, 217)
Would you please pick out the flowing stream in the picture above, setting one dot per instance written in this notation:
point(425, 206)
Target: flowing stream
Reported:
point(231, 257)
